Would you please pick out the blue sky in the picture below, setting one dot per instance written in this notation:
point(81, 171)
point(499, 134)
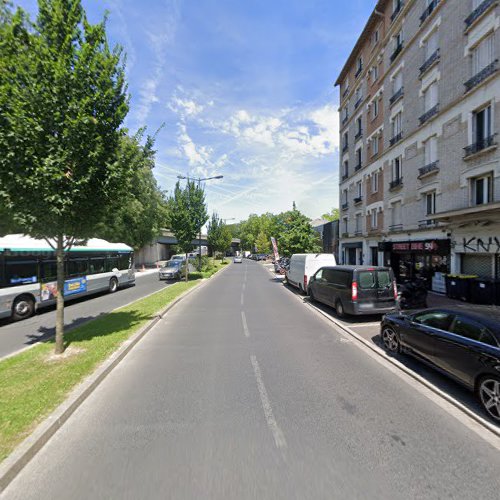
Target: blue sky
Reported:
point(244, 89)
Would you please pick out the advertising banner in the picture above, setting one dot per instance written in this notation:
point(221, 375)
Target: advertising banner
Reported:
point(275, 248)
point(76, 285)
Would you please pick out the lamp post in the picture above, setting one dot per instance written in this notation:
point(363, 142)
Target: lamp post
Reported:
point(199, 181)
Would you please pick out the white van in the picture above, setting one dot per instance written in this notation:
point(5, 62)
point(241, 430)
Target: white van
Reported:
point(304, 265)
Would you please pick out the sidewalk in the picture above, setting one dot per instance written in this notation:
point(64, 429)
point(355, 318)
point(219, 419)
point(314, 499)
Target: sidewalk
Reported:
point(438, 300)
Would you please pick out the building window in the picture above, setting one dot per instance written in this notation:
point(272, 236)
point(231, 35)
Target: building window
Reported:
point(482, 189)
point(375, 109)
point(431, 44)
point(430, 96)
point(359, 65)
point(397, 83)
point(359, 129)
point(430, 203)
point(358, 189)
point(483, 54)
point(346, 170)
point(396, 214)
point(397, 168)
point(397, 124)
point(345, 142)
point(374, 73)
point(375, 37)
point(358, 158)
point(374, 221)
point(481, 125)
point(345, 112)
point(430, 150)
point(374, 145)
point(358, 223)
point(344, 196)
point(345, 225)
point(374, 182)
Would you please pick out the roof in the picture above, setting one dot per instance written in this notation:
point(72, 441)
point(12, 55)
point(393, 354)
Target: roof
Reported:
point(361, 40)
point(24, 243)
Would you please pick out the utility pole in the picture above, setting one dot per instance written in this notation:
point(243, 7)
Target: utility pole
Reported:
point(199, 181)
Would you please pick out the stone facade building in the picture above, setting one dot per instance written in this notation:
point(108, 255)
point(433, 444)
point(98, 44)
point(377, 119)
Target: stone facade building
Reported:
point(419, 120)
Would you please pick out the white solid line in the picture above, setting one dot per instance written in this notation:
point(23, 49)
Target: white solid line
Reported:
point(246, 331)
point(243, 287)
point(279, 437)
point(241, 298)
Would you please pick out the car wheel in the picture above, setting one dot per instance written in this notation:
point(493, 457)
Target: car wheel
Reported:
point(391, 340)
point(113, 285)
point(23, 308)
point(489, 396)
point(339, 309)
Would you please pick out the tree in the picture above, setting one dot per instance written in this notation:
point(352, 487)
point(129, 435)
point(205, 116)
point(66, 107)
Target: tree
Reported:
point(138, 218)
point(296, 234)
point(263, 243)
point(332, 215)
point(62, 101)
point(219, 235)
point(186, 213)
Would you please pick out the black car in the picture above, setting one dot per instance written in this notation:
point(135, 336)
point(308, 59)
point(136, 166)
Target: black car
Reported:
point(464, 346)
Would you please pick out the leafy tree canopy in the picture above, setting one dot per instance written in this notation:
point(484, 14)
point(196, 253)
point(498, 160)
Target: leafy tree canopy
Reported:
point(219, 235)
point(332, 215)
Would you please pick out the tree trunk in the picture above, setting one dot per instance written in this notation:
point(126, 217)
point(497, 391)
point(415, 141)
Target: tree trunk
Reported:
point(187, 268)
point(60, 296)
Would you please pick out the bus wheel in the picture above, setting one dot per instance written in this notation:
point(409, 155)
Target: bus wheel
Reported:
point(23, 308)
point(113, 285)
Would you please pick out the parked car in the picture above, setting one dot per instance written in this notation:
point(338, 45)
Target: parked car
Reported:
point(238, 259)
point(173, 269)
point(355, 290)
point(303, 265)
point(462, 345)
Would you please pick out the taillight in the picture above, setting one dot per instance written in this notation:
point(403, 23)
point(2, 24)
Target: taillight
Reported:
point(395, 290)
point(305, 281)
point(354, 291)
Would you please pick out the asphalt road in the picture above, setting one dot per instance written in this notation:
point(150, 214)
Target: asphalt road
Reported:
point(242, 392)
point(18, 335)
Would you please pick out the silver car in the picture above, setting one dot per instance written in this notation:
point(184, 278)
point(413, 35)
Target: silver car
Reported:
point(172, 270)
point(238, 259)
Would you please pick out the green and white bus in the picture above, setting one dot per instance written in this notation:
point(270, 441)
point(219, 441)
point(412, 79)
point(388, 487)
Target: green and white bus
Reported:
point(28, 272)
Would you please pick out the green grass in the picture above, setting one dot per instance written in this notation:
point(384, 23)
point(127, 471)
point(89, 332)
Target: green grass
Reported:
point(32, 385)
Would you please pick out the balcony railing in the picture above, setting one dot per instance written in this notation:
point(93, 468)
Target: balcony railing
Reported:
point(431, 168)
point(396, 52)
point(345, 206)
point(345, 148)
point(396, 183)
point(396, 138)
point(424, 224)
point(346, 91)
point(487, 142)
point(358, 199)
point(396, 11)
point(357, 103)
point(358, 135)
point(345, 119)
point(428, 11)
point(345, 176)
point(358, 71)
point(358, 232)
point(396, 227)
point(433, 59)
point(478, 12)
point(482, 75)
point(397, 96)
point(357, 167)
point(429, 114)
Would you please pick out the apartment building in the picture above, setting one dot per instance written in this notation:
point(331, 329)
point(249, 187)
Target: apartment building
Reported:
point(419, 121)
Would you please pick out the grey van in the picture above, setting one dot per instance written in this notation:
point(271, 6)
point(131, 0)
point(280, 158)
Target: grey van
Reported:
point(355, 290)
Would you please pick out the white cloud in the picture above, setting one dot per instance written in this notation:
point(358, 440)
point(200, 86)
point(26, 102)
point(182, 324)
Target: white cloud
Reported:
point(185, 107)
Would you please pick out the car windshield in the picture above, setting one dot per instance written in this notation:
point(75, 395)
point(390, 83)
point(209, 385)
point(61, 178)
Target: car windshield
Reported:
point(173, 264)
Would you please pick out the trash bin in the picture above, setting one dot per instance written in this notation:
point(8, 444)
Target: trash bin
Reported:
point(459, 287)
point(482, 291)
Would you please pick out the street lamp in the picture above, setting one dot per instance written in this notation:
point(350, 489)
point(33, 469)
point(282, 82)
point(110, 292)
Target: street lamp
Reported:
point(199, 181)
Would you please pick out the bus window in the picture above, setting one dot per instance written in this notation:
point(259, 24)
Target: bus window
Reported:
point(111, 263)
point(20, 272)
point(96, 265)
point(49, 270)
point(125, 262)
point(77, 267)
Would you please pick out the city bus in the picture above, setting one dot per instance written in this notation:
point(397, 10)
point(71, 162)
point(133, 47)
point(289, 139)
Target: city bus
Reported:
point(28, 272)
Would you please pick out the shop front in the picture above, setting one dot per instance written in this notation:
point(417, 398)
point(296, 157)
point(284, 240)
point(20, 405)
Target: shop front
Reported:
point(427, 259)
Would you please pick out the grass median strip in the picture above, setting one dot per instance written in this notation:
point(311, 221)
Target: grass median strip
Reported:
point(34, 383)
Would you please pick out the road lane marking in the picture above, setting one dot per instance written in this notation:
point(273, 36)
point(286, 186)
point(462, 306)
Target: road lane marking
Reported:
point(243, 287)
point(279, 437)
point(241, 298)
point(245, 326)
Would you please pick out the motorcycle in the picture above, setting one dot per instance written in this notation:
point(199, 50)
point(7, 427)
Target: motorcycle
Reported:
point(412, 294)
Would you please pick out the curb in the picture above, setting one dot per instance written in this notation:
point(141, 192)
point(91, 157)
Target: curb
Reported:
point(381, 353)
point(28, 448)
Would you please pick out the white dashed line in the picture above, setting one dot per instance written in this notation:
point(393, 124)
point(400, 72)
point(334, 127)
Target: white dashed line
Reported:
point(245, 326)
point(279, 437)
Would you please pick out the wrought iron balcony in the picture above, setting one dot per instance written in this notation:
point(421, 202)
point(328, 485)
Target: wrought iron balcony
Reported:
point(345, 148)
point(478, 12)
point(487, 142)
point(431, 168)
point(345, 176)
point(433, 59)
point(358, 200)
point(358, 102)
point(396, 227)
point(424, 224)
point(396, 11)
point(396, 183)
point(397, 96)
point(428, 11)
point(358, 135)
point(429, 114)
point(345, 206)
point(358, 71)
point(481, 76)
point(396, 138)
point(396, 52)
point(358, 232)
point(357, 167)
